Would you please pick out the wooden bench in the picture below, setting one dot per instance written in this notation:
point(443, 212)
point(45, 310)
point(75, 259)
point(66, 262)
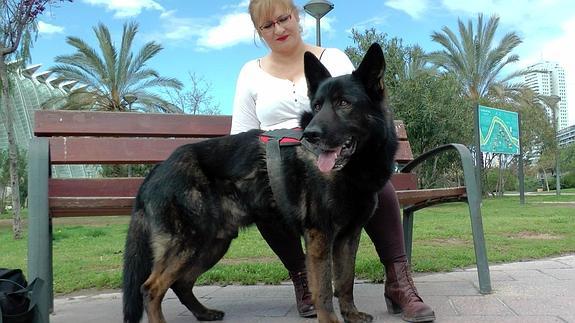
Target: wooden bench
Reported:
point(72, 137)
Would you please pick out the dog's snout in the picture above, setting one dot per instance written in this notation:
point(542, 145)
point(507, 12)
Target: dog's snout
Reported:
point(312, 134)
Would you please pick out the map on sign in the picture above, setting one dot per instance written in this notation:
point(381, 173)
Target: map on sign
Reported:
point(499, 131)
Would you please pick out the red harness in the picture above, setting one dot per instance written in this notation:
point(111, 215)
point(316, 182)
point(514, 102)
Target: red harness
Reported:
point(285, 137)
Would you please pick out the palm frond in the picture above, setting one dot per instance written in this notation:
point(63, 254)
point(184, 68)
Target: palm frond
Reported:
point(471, 57)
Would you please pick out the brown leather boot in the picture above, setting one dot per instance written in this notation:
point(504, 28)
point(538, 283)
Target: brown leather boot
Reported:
point(401, 295)
point(304, 303)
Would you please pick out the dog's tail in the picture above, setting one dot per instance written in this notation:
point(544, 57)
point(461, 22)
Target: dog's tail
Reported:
point(137, 265)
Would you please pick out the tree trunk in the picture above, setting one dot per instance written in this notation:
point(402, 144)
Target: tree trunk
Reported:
point(499, 175)
point(2, 197)
point(545, 177)
point(8, 120)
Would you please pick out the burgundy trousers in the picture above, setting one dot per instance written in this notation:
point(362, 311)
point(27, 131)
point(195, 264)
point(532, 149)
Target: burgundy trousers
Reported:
point(384, 229)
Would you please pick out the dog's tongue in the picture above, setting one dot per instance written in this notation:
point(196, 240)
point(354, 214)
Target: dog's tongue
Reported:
point(326, 160)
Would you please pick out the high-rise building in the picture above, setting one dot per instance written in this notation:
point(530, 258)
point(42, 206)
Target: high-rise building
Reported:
point(548, 78)
point(566, 136)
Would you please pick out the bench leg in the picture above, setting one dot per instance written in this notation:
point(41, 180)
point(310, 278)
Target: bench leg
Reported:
point(474, 203)
point(408, 232)
point(39, 228)
point(479, 246)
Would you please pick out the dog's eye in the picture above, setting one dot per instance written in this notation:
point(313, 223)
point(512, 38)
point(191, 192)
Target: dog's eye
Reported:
point(344, 103)
point(316, 107)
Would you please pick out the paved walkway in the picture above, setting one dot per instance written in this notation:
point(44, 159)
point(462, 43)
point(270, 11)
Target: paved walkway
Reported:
point(535, 291)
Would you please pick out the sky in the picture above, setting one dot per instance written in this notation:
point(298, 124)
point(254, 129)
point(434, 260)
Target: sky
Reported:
point(213, 39)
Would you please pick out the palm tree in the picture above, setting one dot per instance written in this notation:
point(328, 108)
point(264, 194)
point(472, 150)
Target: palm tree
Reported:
point(473, 59)
point(107, 80)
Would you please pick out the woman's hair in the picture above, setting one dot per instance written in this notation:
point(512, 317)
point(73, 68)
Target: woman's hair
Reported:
point(263, 9)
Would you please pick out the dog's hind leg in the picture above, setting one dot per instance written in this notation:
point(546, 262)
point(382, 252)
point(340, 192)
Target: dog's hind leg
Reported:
point(344, 254)
point(167, 268)
point(183, 287)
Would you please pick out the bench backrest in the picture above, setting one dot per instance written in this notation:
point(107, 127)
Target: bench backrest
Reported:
point(80, 137)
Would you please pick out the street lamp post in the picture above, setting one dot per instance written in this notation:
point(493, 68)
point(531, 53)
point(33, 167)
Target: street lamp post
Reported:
point(554, 101)
point(318, 9)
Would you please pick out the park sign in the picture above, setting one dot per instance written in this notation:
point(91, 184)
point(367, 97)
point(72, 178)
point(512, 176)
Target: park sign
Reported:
point(498, 131)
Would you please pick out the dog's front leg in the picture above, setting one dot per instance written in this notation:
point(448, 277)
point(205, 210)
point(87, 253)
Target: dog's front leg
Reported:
point(344, 254)
point(318, 262)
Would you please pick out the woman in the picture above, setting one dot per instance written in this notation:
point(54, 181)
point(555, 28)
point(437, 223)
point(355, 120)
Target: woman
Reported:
point(271, 93)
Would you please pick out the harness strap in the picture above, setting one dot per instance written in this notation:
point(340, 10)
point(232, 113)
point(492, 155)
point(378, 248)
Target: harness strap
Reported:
point(275, 139)
point(276, 175)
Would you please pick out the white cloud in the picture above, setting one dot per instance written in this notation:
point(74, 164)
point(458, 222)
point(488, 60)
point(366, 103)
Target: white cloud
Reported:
point(369, 23)
point(308, 24)
point(176, 28)
point(126, 8)
point(46, 28)
point(231, 30)
point(414, 8)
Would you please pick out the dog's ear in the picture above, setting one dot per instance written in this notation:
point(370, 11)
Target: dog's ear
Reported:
point(315, 73)
point(371, 71)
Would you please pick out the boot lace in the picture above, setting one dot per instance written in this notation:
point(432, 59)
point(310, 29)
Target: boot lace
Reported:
point(412, 290)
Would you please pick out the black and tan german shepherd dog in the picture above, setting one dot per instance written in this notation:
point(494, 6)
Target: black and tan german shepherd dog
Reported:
point(192, 205)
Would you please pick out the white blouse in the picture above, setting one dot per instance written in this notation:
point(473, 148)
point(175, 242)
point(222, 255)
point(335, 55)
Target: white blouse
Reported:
point(263, 101)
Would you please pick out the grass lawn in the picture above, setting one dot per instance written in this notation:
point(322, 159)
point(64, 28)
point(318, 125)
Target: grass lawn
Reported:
point(88, 251)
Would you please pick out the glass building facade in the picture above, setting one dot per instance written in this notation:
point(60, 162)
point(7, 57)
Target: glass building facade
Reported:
point(30, 89)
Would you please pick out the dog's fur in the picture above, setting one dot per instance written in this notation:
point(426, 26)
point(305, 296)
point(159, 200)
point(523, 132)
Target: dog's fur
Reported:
point(191, 206)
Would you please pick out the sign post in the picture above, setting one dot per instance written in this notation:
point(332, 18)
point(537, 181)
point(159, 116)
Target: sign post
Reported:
point(499, 133)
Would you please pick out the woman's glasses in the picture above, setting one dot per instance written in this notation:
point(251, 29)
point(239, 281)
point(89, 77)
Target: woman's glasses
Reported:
point(268, 27)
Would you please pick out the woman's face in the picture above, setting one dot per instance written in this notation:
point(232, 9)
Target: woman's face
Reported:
point(281, 29)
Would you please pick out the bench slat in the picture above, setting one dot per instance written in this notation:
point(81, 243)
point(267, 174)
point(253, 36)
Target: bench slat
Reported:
point(90, 206)
point(114, 196)
point(106, 205)
point(411, 197)
point(404, 181)
point(78, 150)
point(128, 186)
point(131, 124)
point(128, 124)
point(92, 150)
point(95, 187)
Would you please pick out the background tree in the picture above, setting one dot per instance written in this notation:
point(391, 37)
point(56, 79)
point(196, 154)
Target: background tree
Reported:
point(113, 74)
point(196, 99)
point(568, 166)
point(476, 61)
point(473, 58)
point(17, 28)
point(5, 176)
point(429, 103)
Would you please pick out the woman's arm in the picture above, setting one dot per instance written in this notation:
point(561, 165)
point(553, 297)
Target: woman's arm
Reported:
point(244, 115)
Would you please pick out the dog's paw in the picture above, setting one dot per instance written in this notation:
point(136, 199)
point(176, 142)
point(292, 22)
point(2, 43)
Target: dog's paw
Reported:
point(209, 315)
point(357, 317)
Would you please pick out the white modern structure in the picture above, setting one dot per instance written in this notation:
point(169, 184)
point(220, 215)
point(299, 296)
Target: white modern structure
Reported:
point(548, 78)
point(31, 88)
point(566, 136)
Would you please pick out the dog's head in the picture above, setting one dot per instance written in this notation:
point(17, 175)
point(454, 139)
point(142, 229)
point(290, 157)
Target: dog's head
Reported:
point(343, 109)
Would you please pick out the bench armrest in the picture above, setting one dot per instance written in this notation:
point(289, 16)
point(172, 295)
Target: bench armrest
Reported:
point(466, 162)
point(473, 200)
